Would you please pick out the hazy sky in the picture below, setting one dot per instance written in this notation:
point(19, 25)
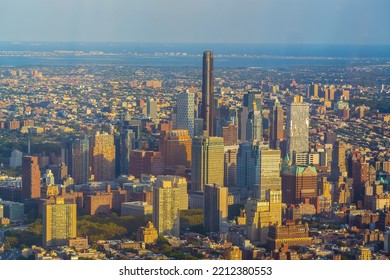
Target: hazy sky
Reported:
point(226, 21)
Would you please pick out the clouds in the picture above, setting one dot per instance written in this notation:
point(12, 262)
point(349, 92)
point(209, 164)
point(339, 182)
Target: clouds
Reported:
point(244, 21)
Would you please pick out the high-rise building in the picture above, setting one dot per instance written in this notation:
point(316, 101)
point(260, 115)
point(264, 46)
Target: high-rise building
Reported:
point(297, 128)
point(298, 183)
point(31, 178)
point(103, 165)
point(207, 162)
point(260, 214)
point(127, 143)
point(207, 111)
point(230, 178)
point(230, 135)
point(16, 158)
point(252, 100)
point(166, 206)
point(254, 127)
point(59, 223)
point(360, 175)
point(175, 147)
point(243, 115)
point(338, 166)
point(145, 162)
point(248, 161)
point(80, 160)
point(215, 207)
point(270, 164)
point(185, 107)
point(276, 133)
point(151, 108)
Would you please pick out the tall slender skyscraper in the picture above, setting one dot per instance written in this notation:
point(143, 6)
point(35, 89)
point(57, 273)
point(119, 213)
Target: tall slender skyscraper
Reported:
point(185, 112)
point(276, 134)
point(80, 160)
point(127, 143)
point(248, 161)
point(297, 128)
point(166, 205)
point(31, 178)
point(207, 162)
point(207, 112)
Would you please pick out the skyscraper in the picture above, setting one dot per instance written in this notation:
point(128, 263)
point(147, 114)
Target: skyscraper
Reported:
point(127, 143)
point(297, 128)
point(175, 147)
point(338, 166)
point(59, 223)
point(166, 206)
point(80, 160)
point(103, 157)
point(31, 178)
point(255, 126)
point(151, 108)
point(207, 162)
point(276, 134)
point(270, 163)
point(185, 106)
point(215, 207)
point(248, 160)
point(207, 111)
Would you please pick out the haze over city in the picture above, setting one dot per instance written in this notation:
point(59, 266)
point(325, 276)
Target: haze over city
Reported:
point(195, 130)
point(202, 21)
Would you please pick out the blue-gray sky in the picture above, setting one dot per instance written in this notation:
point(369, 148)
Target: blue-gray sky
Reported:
point(216, 21)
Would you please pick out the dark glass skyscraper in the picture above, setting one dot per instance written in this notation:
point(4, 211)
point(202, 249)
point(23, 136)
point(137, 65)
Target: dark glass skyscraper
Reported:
point(207, 112)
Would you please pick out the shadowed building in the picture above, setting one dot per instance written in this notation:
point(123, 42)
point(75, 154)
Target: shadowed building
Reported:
point(31, 178)
point(207, 111)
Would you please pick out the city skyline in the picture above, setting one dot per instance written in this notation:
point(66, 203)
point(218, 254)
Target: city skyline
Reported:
point(295, 22)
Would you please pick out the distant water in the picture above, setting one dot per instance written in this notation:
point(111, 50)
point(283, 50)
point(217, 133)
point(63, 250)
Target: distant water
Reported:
point(226, 55)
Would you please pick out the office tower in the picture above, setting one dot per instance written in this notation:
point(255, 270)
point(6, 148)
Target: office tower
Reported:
point(59, 223)
point(145, 162)
point(31, 178)
point(80, 160)
point(230, 178)
point(254, 127)
point(185, 108)
point(198, 127)
point(270, 164)
point(298, 183)
point(16, 158)
point(215, 207)
point(360, 175)
point(338, 166)
point(175, 148)
point(127, 143)
point(276, 130)
point(207, 162)
point(103, 157)
point(243, 115)
point(207, 111)
point(252, 100)
point(261, 214)
point(151, 108)
point(177, 182)
point(230, 135)
point(297, 129)
point(166, 206)
point(248, 161)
